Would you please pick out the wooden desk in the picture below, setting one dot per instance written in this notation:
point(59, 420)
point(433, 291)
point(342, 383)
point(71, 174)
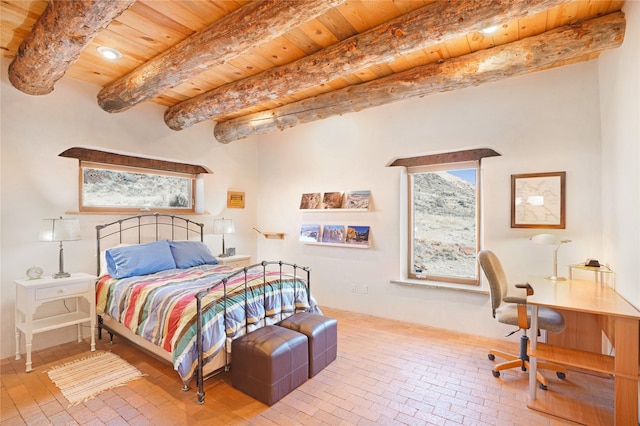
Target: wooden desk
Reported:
point(590, 298)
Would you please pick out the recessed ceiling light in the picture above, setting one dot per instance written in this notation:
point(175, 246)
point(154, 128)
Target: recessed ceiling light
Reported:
point(490, 30)
point(109, 52)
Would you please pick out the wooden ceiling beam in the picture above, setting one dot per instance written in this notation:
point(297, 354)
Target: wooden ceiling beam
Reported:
point(427, 26)
point(517, 58)
point(257, 22)
point(56, 40)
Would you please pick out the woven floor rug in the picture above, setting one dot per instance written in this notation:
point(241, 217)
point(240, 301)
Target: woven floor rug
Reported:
point(83, 379)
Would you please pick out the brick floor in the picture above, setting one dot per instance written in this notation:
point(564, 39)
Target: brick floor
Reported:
point(387, 372)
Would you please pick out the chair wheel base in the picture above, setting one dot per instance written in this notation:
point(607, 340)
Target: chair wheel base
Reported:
point(561, 375)
point(541, 386)
point(495, 373)
point(491, 357)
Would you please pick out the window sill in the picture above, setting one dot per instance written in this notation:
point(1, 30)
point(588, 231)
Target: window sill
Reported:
point(440, 285)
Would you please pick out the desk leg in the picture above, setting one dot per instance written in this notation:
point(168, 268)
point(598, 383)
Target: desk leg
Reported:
point(533, 361)
point(626, 372)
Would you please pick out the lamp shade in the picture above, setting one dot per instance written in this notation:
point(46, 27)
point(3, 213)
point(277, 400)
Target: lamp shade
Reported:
point(223, 226)
point(60, 230)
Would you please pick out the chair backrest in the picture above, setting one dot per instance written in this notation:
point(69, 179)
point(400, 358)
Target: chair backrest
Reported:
point(495, 275)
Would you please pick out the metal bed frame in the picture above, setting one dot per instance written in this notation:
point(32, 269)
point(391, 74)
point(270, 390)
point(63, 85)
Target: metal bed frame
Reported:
point(173, 227)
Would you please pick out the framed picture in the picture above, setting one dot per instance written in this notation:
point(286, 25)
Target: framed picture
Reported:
point(309, 233)
point(231, 251)
point(235, 200)
point(311, 200)
point(538, 200)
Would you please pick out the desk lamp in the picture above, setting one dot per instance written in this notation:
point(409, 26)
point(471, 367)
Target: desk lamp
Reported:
point(223, 226)
point(551, 240)
point(60, 230)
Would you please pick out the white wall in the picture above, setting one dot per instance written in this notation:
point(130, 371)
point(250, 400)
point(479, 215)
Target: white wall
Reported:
point(547, 121)
point(620, 104)
point(543, 122)
point(37, 184)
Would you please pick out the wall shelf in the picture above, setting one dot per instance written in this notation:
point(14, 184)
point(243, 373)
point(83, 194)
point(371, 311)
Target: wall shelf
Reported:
point(357, 246)
point(334, 210)
point(274, 235)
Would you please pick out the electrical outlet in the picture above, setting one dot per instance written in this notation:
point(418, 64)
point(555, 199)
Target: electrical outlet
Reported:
point(365, 289)
point(354, 288)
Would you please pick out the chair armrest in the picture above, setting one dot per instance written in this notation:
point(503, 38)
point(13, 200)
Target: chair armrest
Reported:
point(523, 320)
point(526, 286)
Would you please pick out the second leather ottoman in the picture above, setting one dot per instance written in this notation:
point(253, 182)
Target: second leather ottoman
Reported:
point(322, 333)
point(269, 362)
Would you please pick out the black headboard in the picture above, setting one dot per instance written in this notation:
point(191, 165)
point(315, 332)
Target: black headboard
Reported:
point(144, 228)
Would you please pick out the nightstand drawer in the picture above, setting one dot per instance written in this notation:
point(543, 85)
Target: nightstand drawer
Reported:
point(67, 290)
point(236, 261)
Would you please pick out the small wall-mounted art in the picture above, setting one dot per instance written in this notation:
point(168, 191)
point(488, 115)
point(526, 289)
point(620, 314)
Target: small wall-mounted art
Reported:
point(311, 200)
point(333, 234)
point(334, 201)
point(310, 233)
point(356, 236)
point(357, 200)
point(235, 200)
point(538, 200)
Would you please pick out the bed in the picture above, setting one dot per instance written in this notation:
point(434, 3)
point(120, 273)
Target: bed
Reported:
point(160, 288)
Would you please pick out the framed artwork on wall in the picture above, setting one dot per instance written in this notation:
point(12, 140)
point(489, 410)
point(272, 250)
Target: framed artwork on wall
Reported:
point(235, 200)
point(538, 200)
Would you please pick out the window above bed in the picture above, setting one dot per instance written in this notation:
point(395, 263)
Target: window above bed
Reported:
point(113, 182)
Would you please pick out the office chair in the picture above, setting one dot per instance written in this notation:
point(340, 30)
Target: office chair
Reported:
point(513, 310)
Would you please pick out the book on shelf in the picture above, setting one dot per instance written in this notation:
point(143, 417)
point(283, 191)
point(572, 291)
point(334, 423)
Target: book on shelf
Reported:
point(310, 233)
point(310, 200)
point(333, 234)
point(358, 235)
point(357, 200)
point(332, 200)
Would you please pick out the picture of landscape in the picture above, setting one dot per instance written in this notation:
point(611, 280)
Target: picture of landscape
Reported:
point(332, 200)
point(333, 234)
point(310, 233)
point(310, 201)
point(358, 235)
point(357, 200)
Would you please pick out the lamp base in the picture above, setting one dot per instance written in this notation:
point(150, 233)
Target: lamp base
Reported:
point(223, 255)
point(61, 275)
point(554, 278)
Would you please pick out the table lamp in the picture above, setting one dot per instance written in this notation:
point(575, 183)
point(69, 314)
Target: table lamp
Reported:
point(551, 239)
point(60, 230)
point(223, 226)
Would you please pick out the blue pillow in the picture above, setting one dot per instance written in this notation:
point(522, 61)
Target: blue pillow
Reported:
point(191, 253)
point(142, 259)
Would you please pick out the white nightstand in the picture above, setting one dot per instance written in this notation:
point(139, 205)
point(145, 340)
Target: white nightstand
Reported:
point(238, 260)
point(30, 294)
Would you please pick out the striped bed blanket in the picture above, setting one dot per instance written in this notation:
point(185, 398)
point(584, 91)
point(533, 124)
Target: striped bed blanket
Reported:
point(161, 307)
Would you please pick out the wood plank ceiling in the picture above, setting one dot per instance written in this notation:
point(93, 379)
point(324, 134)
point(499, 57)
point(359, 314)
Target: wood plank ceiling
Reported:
point(263, 65)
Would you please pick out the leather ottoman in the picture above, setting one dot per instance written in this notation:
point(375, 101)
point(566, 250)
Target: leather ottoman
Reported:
point(269, 362)
point(322, 333)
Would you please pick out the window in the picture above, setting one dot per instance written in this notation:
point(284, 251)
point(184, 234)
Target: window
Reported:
point(444, 222)
point(111, 182)
point(108, 188)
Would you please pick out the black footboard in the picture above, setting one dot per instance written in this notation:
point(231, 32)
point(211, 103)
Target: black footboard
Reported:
point(283, 270)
